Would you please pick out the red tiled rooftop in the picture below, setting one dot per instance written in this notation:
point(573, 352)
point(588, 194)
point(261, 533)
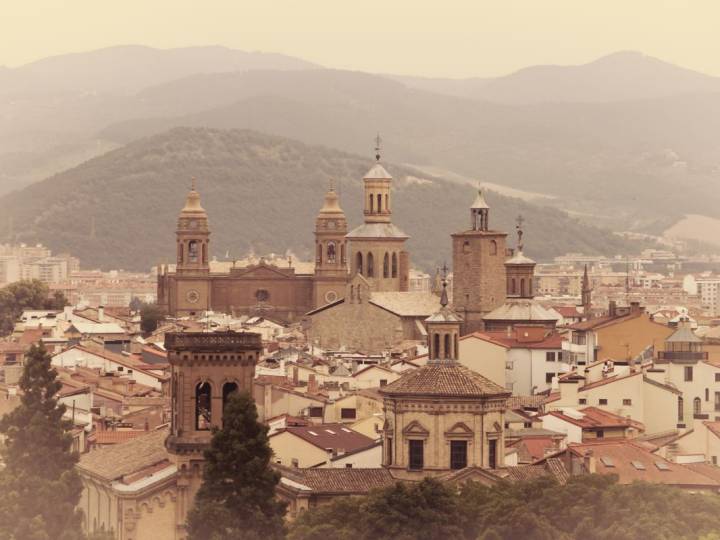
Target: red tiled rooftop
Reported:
point(330, 436)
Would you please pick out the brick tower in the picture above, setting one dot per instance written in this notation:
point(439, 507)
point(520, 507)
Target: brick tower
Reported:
point(479, 281)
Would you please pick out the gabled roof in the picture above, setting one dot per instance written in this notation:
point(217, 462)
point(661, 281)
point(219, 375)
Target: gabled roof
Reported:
point(115, 461)
point(594, 418)
point(521, 309)
point(340, 481)
point(329, 436)
point(552, 340)
point(632, 461)
point(377, 172)
point(449, 379)
point(407, 303)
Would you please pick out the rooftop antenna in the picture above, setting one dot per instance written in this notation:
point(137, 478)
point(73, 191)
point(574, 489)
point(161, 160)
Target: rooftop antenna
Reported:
point(378, 142)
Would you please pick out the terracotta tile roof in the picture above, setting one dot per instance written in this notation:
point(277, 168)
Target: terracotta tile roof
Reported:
point(632, 461)
point(550, 341)
point(599, 322)
point(407, 304)
point(597, 418)
point(329, 436)
point(526, 402)
point(536, 447)
point(115, 461)
point(706, 469)
point(347, 481)
point(608, 380)
point(444, 379)
point(567, 311)
point(713, 427)
point(549, 466)
point(115, 437)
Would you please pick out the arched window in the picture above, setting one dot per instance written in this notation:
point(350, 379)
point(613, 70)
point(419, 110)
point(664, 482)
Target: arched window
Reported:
point(204, 253)
point(342, 253)
point(331, 252)
point(203, 406)
point(512, 286)
point(180, 253)
point(229, 388)
point(522, 287)
point(394, 265)
point(387, 203)
point(359, 263)
point(318, 256)
point(530, 289)
point(372, 201)
point(681, 406)
point(697, 405)
point(379, 203)
point(386, 266)
point(447, 346)
point(493, 247)
point(436, 347)
point(193, 251)
point(370, 265)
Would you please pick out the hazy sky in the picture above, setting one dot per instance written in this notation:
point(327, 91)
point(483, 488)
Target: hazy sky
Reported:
point(440, 38)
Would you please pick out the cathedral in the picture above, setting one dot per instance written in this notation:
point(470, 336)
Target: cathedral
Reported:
point(356, 294)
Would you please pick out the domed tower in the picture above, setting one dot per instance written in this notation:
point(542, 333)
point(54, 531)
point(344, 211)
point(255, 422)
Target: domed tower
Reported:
point(377, 247)
point(330, 251)
point(192, 294)
point(520, 270)
point(442, 416)
point(479, 281)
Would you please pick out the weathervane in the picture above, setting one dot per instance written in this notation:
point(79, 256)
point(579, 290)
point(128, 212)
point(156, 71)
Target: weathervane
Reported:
point(518, 227)
point(378, 140)
point(444, 295)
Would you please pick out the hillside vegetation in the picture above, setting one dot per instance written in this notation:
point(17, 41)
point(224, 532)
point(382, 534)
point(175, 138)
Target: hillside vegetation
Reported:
point(262, 193)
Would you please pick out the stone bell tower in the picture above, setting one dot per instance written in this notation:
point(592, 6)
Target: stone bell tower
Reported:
point(206, 368)
point(330, 251)
point(191, 293)
point(479, 281)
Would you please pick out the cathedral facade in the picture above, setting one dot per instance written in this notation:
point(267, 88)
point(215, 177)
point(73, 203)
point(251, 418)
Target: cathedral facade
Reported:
point(280, 292)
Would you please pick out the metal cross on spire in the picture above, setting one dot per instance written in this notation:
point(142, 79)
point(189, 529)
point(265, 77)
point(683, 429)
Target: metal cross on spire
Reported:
point(518, 227)
point(332, 184)
point(193, 183)
point(378, 142)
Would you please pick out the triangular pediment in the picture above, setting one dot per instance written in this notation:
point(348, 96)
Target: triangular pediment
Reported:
point(416, 428)
point(472, 474)
point(460, 429)
point(261, 271)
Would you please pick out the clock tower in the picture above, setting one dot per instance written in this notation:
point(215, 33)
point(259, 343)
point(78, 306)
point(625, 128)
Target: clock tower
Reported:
point(330, 251)
point(193, 267)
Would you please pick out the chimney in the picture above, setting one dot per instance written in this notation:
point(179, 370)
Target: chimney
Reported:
point(589, 462)
point(296, 377)
point(612, 308)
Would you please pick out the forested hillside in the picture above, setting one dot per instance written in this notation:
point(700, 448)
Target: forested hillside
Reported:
point(262, 193)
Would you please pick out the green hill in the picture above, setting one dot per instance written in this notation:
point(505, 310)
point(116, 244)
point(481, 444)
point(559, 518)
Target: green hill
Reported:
point(262, 192)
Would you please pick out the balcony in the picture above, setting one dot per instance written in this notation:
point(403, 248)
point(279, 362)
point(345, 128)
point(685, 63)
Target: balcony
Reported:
point(213, 342)
point(681, 357)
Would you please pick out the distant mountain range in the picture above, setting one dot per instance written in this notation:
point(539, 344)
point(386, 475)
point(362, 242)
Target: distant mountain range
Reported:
point(627, 142)
point(262, 193)
point(626, 75)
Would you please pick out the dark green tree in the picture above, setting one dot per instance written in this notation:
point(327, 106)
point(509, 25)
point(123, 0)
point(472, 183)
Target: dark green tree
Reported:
point(39, 487)
point(150, 317)
point(237, 497)
point(22, 295)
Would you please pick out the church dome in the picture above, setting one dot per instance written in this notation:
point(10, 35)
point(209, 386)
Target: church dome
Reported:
point(450, 379)
point(331, 205)
point(192, 204)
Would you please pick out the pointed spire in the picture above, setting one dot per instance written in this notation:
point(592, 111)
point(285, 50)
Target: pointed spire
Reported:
point(480, 203)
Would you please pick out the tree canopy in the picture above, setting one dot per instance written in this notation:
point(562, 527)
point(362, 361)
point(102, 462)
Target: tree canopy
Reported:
point(237, 497)
point(39, 487)
point(150, 317)
point(589, 507)
point(22, 295)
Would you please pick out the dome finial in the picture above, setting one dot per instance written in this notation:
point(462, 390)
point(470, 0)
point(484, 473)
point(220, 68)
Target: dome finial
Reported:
point(444, 296)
